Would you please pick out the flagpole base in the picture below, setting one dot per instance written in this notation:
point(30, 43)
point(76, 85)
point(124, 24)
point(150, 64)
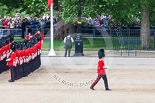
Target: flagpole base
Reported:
point(51, 53)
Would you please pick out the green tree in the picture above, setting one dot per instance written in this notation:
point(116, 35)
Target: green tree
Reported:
point(35, 7)
point(39, 7)
point(125, 10)
point(10, 7)
point(121, 10)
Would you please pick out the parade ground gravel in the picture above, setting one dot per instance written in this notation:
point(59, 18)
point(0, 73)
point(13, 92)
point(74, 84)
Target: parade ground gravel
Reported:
point(67, 80)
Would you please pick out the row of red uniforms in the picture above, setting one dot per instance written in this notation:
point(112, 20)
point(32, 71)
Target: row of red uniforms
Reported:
point(24, 56)
point(23, 62)
point(4, 54)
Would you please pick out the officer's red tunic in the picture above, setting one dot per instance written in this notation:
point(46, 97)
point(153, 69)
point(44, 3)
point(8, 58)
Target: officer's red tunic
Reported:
point(100, 69)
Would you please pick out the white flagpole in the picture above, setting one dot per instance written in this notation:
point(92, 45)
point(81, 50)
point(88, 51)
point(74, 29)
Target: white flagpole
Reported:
point(52, 52)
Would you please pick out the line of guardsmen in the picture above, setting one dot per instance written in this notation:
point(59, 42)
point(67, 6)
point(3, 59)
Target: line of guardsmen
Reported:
point(5, 43)
point(24, 57)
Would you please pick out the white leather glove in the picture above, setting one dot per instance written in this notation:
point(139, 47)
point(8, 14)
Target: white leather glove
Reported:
point(107, 67)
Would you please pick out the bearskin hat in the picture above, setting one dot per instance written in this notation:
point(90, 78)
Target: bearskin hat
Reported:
point(101, 53)
point(29, 30)
point(13, 47)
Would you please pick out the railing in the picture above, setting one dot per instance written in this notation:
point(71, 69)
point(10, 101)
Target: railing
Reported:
point(120, 34)
point(113, 34)
point(18, 32)
point(86, 32)
point(105, 32)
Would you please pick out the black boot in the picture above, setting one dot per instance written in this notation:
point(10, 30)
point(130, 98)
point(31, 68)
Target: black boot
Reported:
point(10, 80)
point(107, 89)
point(92, 88)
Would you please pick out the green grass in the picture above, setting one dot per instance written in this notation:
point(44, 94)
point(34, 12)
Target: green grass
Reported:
point(16, 40)
point(91, 44)
point(88, 44)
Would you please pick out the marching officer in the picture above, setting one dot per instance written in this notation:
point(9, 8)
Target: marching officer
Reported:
point(101, 71)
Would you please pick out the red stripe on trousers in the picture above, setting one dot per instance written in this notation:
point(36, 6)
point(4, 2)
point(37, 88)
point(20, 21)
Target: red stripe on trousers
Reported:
point(95, 81)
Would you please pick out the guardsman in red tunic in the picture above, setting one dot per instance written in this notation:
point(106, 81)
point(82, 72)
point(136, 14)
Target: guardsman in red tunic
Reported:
point(101, 71)
point(40, 33)
point(37, 45)
point(31, 56)
point(29, 36)
point(20, 62)
point(17, 59)
point(39, 53)
point(24, 59)
point(34, 51)
point(27, 69)
point(11, 62)
point(28, 52)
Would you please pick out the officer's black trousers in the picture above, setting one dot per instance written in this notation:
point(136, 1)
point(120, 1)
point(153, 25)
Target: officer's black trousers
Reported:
point(104, 77)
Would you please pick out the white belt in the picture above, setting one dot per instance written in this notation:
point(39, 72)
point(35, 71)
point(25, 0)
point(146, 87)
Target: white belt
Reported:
point(21, 60)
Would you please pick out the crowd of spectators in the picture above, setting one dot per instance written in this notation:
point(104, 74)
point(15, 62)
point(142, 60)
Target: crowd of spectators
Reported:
point(44, 22)
point(105, 21)
point(102, 21)
point(17, 22)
